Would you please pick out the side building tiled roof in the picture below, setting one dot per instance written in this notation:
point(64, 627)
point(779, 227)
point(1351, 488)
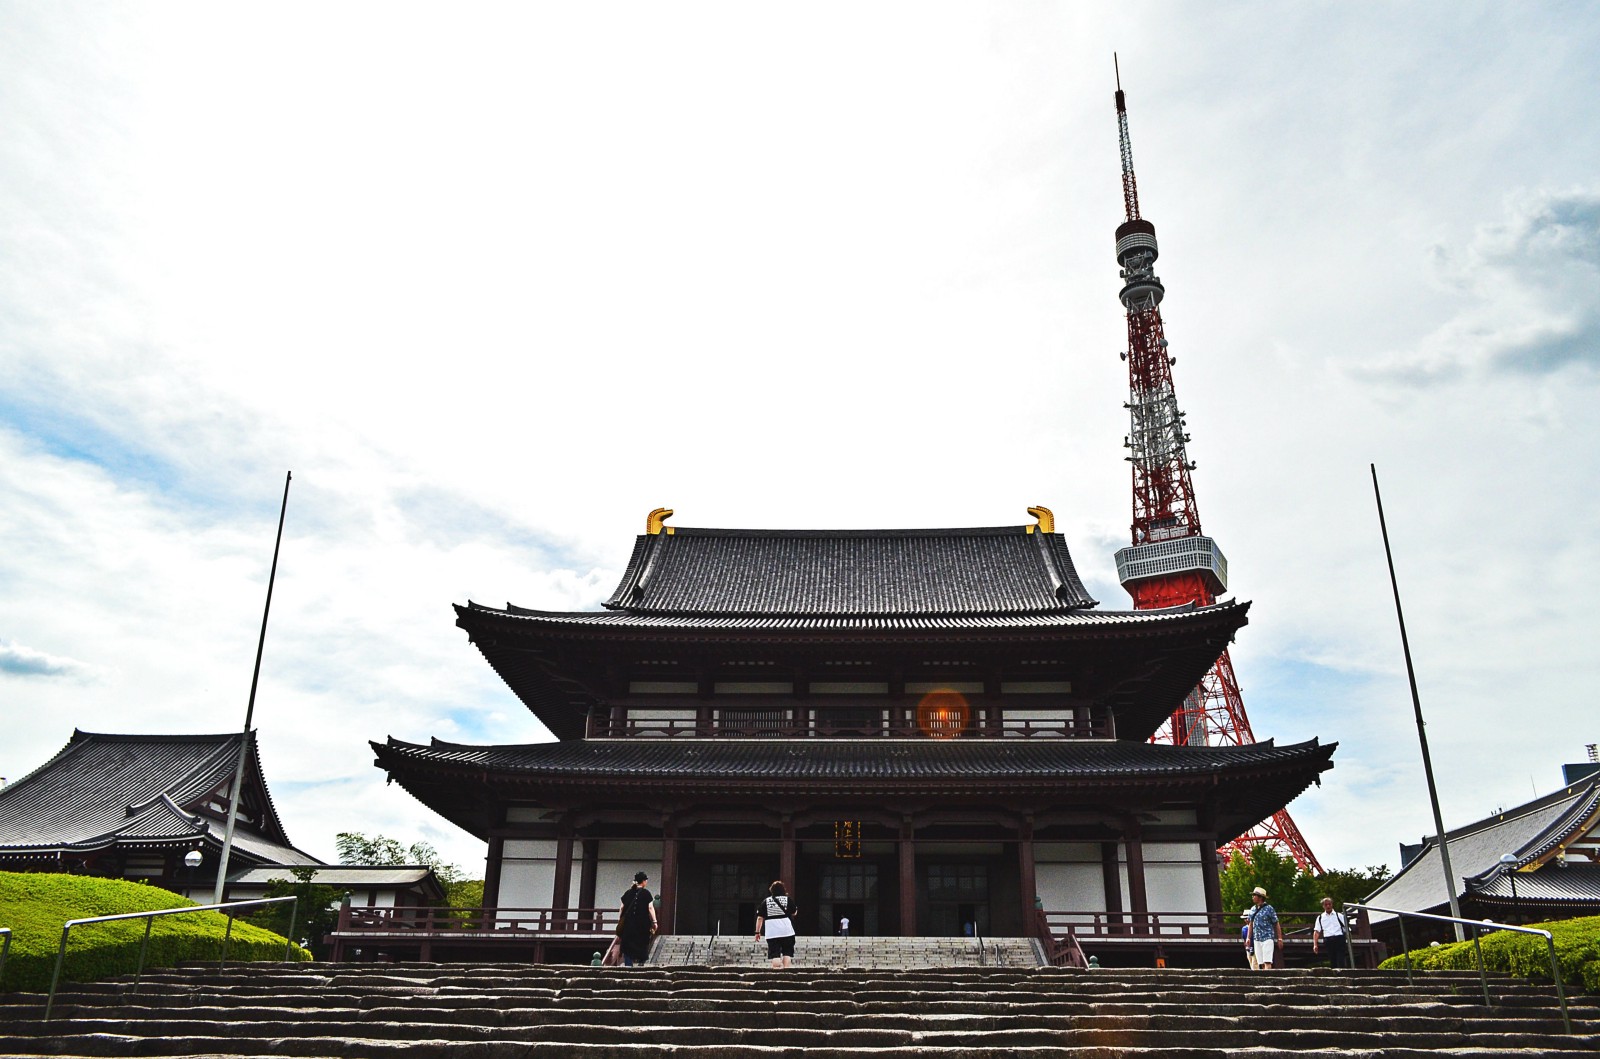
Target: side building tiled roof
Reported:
point(102, 790)
point(1528, 832)
point(848, 573)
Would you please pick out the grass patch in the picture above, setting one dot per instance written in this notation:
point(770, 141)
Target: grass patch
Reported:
point(36, 905)
point(1526, 955)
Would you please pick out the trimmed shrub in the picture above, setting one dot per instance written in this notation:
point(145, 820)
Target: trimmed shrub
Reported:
point(37, 905)
point(1577, 952)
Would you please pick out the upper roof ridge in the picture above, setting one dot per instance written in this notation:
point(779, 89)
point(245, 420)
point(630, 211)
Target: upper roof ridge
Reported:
point(848, 573)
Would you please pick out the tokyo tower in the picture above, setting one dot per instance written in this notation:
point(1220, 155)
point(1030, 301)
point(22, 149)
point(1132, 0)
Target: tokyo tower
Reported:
point(1170, 562)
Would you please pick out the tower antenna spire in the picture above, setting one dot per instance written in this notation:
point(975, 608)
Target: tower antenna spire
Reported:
point(1171, 562)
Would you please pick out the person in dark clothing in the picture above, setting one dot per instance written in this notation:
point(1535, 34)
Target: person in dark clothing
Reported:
point(638, 924)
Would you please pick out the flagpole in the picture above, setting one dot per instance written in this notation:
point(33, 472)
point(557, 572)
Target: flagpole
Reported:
point(1416, 705)
point(249, 712)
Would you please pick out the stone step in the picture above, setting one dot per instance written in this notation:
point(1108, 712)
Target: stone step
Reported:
point(897, 953)
point(888, 1031)
point(221, 1048)
point(488, 1011)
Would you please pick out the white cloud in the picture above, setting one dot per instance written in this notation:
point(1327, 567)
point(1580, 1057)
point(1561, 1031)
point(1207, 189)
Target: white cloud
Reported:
point(1531, 287)
point(23, 661)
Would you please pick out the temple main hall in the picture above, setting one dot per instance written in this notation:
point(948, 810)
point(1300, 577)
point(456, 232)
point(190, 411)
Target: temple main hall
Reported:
point(931, 732)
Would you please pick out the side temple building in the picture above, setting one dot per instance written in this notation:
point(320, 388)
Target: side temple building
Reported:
point(928, 731)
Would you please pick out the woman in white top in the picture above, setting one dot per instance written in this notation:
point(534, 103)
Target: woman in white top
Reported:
point(775, 923)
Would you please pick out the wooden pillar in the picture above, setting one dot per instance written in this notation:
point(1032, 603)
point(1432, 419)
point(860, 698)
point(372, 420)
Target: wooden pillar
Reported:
point(1139, 906)
point(586, 878)
point(491, 872)
point(561, 892)
point(908, 881)
point(1208, 867)
point(1112, 879)
point(1025, 867)
point(669, 877)
point(786, 857)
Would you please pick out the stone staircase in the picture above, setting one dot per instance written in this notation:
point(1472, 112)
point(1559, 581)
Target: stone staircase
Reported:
point(686, 950)
point(459, 1011)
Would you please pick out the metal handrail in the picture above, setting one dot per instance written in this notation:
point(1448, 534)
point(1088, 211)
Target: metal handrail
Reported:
point(5, 950)
point(1483, 977)
point(149, 921)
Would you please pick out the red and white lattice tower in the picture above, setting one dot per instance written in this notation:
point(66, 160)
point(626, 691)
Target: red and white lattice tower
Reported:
point(1171, 563)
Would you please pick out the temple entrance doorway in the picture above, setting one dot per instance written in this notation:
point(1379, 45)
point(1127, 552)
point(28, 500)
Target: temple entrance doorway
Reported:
point(733, 892)
point(958, 900)
point(848, 889)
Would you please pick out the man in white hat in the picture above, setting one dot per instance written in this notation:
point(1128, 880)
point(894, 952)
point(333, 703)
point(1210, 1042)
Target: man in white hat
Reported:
point(1266, 933)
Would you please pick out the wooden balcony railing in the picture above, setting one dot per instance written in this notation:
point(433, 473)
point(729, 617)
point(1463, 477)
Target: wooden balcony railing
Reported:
point(622, 727)
point(354, 920)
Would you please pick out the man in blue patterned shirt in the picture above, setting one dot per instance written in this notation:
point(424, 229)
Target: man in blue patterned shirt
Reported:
point(1266, 933)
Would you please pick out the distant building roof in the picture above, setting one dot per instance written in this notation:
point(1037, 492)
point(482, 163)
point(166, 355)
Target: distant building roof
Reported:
point(416, 877)
point(1539, 834)
point(106, 790)
point(842, 573)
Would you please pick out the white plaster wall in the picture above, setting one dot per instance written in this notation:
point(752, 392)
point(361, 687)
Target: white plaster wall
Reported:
point(617, 865)
point(527, 873)
point(1068, 878)
point(1174, 880)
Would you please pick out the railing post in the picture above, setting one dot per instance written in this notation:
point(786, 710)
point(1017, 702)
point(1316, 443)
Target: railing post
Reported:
point(1555, 972)
point(144, 946)
point(227, 936)
point(294, 918)
point(1405, 947)
point(5, 950)
point(1483, 974)
point(61, 956)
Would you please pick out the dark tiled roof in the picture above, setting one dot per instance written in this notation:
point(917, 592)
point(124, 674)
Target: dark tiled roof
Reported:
point(1084, 619)
point(853, 760)
point(1525, 831)
point(1578, 882)
point(850, 573)
point(1151, 659)
point(102, 790)
point(1248, 783)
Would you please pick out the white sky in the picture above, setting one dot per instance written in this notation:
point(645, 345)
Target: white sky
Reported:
point(494, 281)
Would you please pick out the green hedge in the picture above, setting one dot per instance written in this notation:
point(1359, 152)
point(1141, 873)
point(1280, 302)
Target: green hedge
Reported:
point(1577, 951)
point(36, 906)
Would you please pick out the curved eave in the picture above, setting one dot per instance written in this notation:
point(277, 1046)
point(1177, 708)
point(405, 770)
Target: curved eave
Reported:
point(466, 783)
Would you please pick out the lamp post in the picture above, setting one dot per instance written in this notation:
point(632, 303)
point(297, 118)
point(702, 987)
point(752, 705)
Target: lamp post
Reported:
point(1509, 862)
point(191, 860)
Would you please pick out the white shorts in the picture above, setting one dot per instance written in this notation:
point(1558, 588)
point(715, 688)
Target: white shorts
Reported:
point(1264, 950)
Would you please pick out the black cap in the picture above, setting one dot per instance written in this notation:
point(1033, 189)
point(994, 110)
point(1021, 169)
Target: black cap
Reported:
point(640, 876)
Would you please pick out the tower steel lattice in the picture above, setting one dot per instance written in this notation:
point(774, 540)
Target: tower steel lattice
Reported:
point(1170, 562)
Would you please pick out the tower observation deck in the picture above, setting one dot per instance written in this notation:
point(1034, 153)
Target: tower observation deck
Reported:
point(1170, 561)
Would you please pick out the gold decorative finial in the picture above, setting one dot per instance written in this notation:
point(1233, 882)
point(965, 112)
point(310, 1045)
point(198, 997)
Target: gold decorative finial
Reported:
point(1047, 521)
point(653, 522)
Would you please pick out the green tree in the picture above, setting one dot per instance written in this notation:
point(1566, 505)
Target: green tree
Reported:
point(1288, 888)
point(316, 913)
point(464, 893)
point(1350, 884)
